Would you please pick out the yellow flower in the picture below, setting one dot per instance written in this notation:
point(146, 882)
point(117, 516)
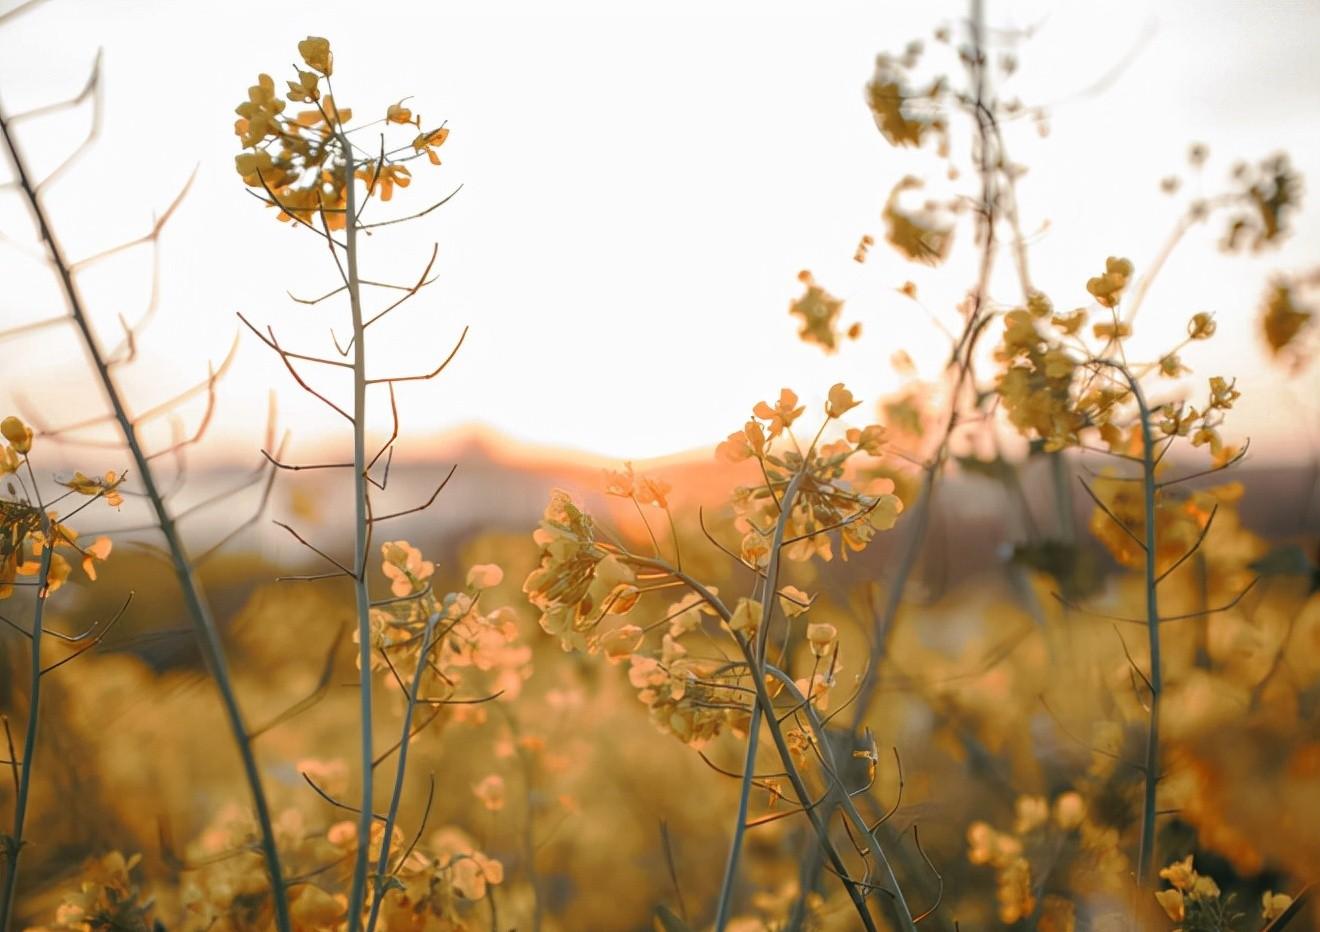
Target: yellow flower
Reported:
point(472, 873)
point(1273, 905)
point(920, 236)
point(618, 483)
point(491, 792)
point(1282, 319)
point(17, 433)
point(1201, 326)
point(1070, 324)
point(315, 51)
point(785, 411)
point(887, 97)
point(870, 439)
point(1039, 305)
point(1069, 810)
point(56, 577)
point(404, 567)
point(1032, 812)
point(1223, 393)
point(822, 637)
point(746, 617)
point(97, 550)
point(793, 601)
point(819, 311)
point(1204, 888)
point(485, 576)
point(306, 89)
point(1112, 330)
point(1172, 901)
point(1020, 334)
point(1108, 288)
point(398, 113)
point(1171, 366)
point(620, 643)
point(105, 487)
point(429, 142)
point(735, 449)
point(1180, 873)
point(383, 178)
point(652, 491)
point(258, 114)
point(840, 402)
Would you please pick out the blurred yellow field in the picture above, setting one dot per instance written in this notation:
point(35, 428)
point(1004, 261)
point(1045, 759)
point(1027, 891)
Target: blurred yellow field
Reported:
point(1004, 621)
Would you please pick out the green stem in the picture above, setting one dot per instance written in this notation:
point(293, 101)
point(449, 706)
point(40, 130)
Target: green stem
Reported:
point(383, 863)
point(845, 798)
point(30, 737)
point(208, 635)
point(1146, 851)
point(803, 793)
point(357, 894)
point(754, 728)
point(819, 825)
point(725, 903)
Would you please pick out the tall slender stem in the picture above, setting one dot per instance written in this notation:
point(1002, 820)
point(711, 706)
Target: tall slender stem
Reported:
point(754, 726)
point(1145, 853)
point(902, 909)
point(30, 736)
point(725, 904)
point(391, 816)
point(208, 635)
point(357, 895)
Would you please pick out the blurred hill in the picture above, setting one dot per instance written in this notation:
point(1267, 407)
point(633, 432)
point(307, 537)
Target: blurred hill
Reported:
point(503, 485)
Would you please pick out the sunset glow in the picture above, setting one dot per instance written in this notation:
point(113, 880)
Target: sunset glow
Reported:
point(640, 187)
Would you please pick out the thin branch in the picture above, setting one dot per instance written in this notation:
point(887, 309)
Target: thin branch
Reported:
point(425, 505)
point(939, 898)
point(1196, 545)
point(421, 213)
point(1234, 460)
point(1113, 517)
point(316, 550)
point(318, 691)
point(298, 467)
point(156, 229)
point(430, 375)
point(95, 641)
point(334, 802)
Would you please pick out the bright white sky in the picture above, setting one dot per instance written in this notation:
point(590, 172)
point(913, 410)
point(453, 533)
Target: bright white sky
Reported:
point(642, 182)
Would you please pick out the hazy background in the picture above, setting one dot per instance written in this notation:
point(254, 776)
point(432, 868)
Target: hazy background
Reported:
point(641, 184)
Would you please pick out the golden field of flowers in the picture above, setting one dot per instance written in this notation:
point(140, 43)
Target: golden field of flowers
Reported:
point(750, 693)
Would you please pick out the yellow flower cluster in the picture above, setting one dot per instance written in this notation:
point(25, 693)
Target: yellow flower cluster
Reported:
point(825, 498)
point(299, 162)
point(1269, 192)
point(1107, 288)
point(920, 235)
point(896, 107)
point(1194, 898)
point(437, 887)
point(1054, 387)
point(468, 639)
point(819, 311)
point(25, 532)
point(693, 700)
point(106, 898)
point(1063, 834)
point(578, 582)
point(1282, 318)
